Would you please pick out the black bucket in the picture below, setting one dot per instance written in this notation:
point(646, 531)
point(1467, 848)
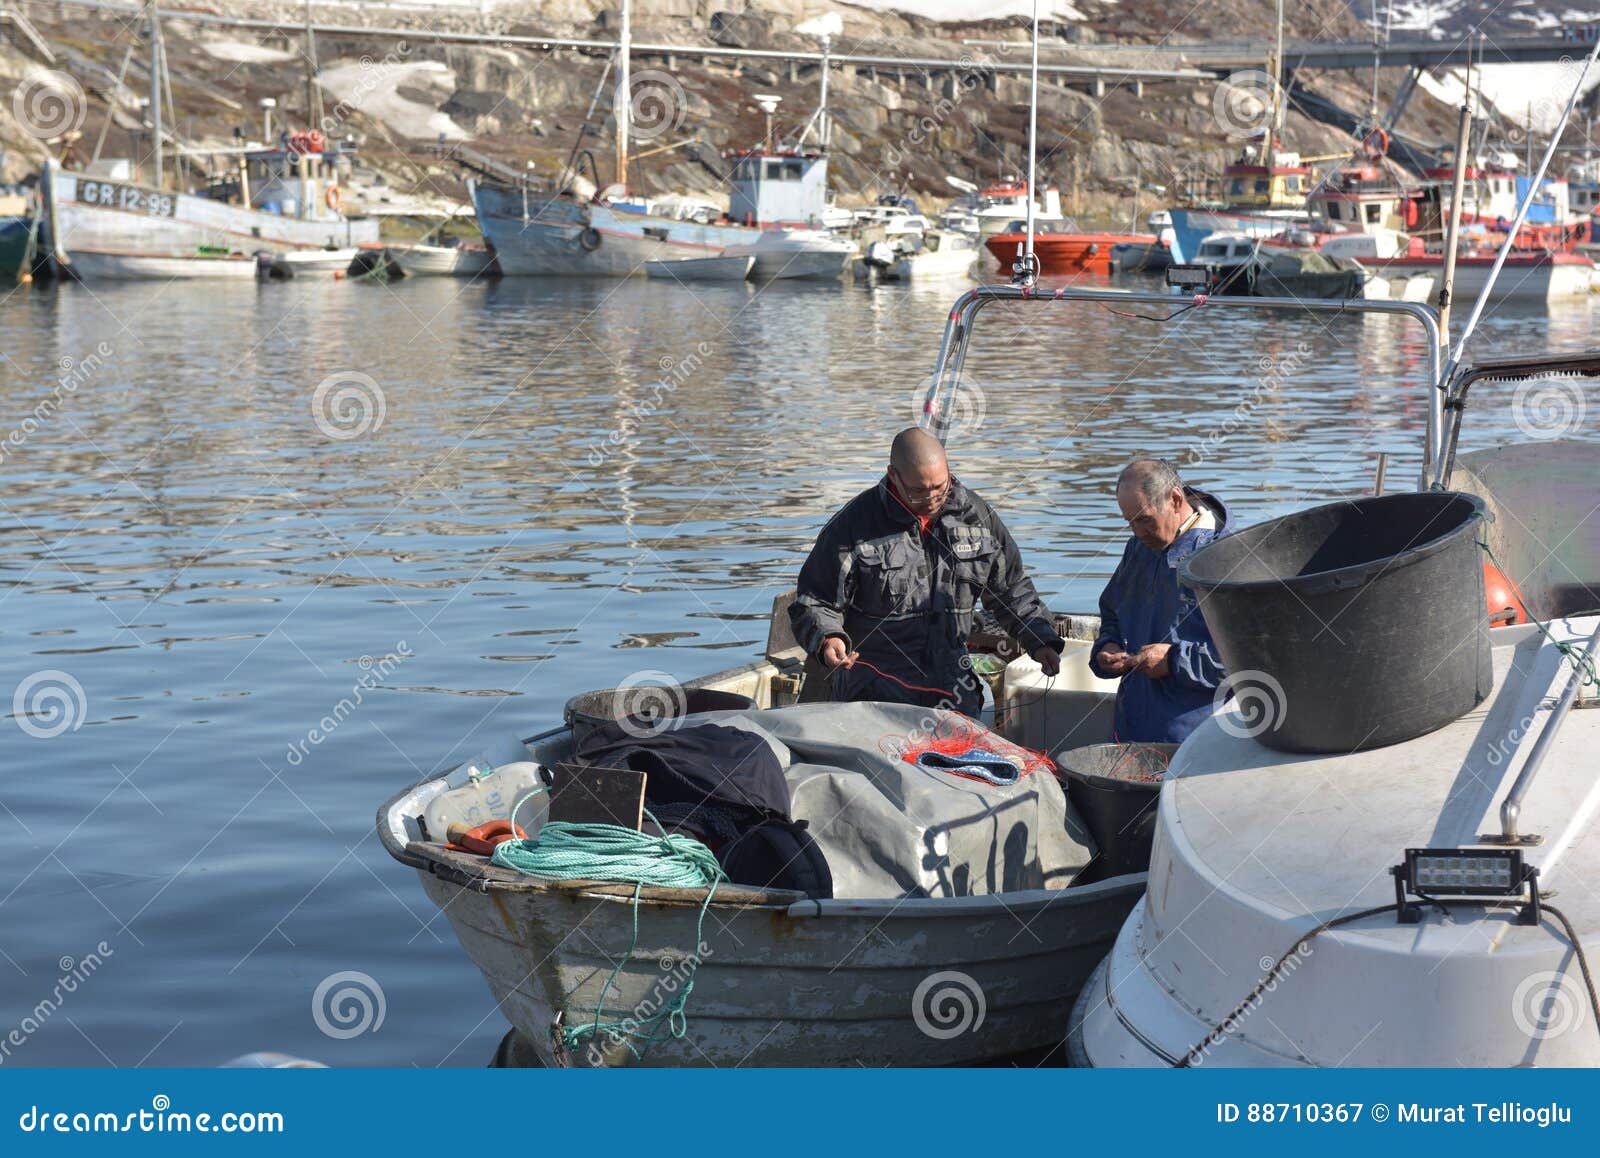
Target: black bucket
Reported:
point(1114, 788)
point(648, 702)
point(1352, 625)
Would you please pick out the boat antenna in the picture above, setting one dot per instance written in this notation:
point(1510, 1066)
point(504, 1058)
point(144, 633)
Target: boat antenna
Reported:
point(1026, 270)
point(1522, 215)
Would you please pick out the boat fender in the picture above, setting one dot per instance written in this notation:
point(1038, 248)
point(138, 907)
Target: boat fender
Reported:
point(333, 197)
point(1505, 600)
point(590, 239)
point(1412, 213)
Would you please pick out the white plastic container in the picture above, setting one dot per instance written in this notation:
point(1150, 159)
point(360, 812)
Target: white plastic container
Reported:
point(1074, 709)
point(490, 795)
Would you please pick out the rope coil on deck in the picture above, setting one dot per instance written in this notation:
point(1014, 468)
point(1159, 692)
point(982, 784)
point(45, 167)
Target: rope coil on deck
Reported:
point(609, 852)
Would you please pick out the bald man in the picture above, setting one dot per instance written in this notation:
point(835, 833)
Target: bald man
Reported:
point(1152, 635)
point(887, 596)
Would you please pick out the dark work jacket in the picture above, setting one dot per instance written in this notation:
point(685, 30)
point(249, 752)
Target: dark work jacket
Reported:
point(905, 599)
point(1144, 604)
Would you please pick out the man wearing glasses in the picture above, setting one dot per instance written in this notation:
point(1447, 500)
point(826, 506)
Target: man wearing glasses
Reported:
point(887, 596)
point(1151, 632)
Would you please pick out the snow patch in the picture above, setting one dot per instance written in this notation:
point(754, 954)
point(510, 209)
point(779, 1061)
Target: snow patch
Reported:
point(242, 52)
point(1528, 95)
point(370, 86)
point(973, 11)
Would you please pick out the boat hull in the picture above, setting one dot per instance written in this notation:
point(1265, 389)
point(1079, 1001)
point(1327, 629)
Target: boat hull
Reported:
point(444, 261)
point(814, 983)
point(85, 213)
point(1534, 278)
point(1066, 253)
point(702, 269)
point(96, 266)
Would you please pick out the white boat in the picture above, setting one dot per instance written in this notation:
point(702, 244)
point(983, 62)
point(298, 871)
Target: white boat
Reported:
point(724, 268)
point(143, 265)
point(1527, 277)
point(309, 262)
point(1006, 201)
point(919, 257)
point(807, 254)
point(424, 260)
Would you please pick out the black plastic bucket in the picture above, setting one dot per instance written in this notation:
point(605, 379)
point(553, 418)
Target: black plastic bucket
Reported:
point(1352, 625)
point(648, 702)
point(1114, 788)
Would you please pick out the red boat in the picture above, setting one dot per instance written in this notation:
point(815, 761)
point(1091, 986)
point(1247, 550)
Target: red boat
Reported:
point(1062, 252)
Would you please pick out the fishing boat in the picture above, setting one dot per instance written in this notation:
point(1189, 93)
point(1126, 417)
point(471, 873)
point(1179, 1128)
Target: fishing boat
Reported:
point(1262, 198)
point(16, 246)
point(1003, 202)
point(1062, 248)
point(778, 203)
point(912, 249)
point(724, 268)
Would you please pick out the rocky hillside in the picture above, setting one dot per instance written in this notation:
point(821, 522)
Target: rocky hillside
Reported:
point(894, 128)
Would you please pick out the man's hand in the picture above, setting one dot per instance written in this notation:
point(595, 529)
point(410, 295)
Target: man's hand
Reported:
point(1048, 659)
point(1153, 660)
point(1116, 661)
point(834, 654)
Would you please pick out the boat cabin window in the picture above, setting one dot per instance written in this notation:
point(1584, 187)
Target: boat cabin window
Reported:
point(1333, 211)
point(1374, 214)
point(1292, 184)
point(1236, 188)
point(1262, 185)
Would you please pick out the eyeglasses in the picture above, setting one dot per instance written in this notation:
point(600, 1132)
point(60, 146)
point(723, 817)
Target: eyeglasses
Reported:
point(923, 495)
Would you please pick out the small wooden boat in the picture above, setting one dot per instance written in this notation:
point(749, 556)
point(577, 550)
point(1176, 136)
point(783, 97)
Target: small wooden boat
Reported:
point(308, 262)
point(780, 978)
point(112, 265)
point(721, 268)
point(424, 260)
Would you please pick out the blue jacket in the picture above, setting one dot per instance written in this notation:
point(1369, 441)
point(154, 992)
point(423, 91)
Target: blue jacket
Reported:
point(1144, 604)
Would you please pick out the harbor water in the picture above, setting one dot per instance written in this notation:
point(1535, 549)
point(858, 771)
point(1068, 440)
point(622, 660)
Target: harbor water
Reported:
point(272, 552)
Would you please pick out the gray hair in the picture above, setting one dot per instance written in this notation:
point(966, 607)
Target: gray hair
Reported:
point(1153, 478)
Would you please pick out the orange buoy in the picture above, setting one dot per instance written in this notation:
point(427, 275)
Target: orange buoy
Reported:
point(1503, 597)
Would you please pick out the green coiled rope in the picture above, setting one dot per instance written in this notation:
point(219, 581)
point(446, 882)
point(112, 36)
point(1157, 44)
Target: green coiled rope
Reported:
point(607, 852)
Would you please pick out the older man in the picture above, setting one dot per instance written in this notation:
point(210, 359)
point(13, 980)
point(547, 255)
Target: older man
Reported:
point(887, 596)
point(1151, 632)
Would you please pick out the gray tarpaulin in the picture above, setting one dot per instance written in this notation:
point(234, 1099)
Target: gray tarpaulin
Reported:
point(891, 829)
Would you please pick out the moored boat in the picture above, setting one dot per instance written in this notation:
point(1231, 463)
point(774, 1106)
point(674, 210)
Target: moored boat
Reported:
point(722, 268)
point(145, 265)
point(1063, 249)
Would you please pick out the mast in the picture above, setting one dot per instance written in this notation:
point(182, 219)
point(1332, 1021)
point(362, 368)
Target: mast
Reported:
point(1275, 70)
point(1027, 271)
point(155, 93)
point(623, 106)
point(822, 124)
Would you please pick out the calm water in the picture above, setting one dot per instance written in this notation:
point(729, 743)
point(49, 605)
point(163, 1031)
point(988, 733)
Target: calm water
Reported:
point(536, 514)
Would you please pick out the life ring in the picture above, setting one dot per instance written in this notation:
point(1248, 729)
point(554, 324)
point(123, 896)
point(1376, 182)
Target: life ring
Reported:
point(1381, 136)
point(589, 239)
point(333, 198)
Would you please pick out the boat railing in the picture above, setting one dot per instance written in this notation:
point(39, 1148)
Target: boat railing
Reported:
point(946, 378)
point(1511, 807)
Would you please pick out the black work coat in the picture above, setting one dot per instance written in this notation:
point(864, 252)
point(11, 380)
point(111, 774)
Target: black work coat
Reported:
point(905, 598)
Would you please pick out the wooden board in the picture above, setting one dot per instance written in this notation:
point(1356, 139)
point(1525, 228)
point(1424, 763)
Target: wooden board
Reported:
point(580, 794)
